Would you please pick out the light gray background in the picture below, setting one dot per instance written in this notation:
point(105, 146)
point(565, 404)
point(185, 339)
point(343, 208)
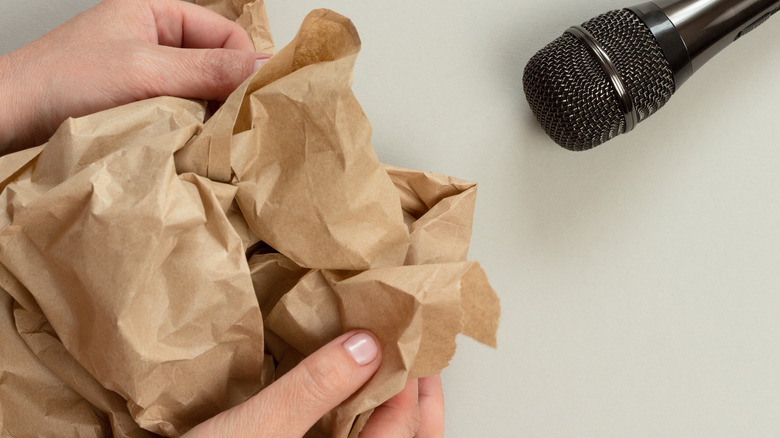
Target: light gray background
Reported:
point(640, 281)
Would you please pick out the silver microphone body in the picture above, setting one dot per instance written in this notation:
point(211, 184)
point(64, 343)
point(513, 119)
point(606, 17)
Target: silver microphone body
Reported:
point(600, 79)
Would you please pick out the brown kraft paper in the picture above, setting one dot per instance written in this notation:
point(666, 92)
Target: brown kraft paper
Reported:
point(156, 268)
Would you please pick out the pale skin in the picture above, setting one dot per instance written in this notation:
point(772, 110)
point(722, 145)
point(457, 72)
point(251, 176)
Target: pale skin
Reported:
point(122, 51)
point(292, 404)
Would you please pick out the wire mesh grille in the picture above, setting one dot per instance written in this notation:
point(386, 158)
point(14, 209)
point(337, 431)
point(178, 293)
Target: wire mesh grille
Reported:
point(573, 98)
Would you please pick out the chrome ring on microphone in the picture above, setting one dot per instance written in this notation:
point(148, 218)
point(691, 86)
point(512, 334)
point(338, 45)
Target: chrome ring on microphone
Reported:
point(624, 99)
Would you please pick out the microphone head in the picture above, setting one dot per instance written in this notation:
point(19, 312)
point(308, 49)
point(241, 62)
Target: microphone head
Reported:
point(574, 98)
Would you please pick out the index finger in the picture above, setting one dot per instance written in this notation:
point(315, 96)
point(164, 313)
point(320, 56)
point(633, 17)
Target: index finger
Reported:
point(182, 24)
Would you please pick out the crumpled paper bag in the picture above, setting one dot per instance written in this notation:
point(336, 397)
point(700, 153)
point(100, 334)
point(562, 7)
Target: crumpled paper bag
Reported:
point(417, 310)
point(124, 257)
point(142, 248)
point(438, 211)
point(277, 144)
point(25, 378)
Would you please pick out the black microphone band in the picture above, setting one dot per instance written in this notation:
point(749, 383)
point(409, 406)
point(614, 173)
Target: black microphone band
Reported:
point(668, 39)
point(618, 84)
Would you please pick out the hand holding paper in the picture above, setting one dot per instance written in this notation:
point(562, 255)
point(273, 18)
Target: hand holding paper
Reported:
point(289, 407)
point(292, 404)
point(116, 53)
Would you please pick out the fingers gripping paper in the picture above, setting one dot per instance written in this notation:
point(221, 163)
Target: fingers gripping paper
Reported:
point(416, 310)
point(141, 249)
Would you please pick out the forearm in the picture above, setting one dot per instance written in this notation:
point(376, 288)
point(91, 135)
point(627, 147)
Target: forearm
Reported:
point(22, 106)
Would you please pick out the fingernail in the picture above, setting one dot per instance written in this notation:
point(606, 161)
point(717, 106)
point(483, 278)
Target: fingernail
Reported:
point(362, 347)
point(258, 63)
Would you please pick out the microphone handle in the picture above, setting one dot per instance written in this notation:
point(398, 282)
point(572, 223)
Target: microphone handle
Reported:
point(691, 32)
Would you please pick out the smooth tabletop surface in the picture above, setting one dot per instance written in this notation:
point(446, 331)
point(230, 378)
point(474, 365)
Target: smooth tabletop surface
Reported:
point(640, 281)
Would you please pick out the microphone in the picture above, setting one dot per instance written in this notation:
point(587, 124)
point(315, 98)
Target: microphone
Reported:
point(598, 80)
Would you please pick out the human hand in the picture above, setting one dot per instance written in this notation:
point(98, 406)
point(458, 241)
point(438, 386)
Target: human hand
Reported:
point(417, 411)
point(116, 53)
point(290, 406)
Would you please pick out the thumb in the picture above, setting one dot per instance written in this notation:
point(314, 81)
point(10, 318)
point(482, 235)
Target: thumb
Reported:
point(210, 74)
point(291, 405)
